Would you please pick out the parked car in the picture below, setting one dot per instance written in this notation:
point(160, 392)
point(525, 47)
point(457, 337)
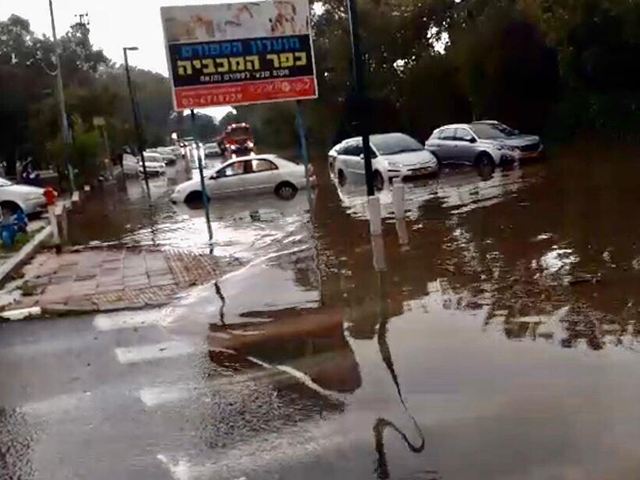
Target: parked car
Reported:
point(20, 198)
point(394, 155)
point(482, 143)
point(245, 176)
point(154, 163)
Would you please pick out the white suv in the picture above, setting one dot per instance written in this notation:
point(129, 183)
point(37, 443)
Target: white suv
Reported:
point(394, 155)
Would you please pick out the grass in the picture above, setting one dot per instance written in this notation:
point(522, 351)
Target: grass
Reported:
point(21, 240)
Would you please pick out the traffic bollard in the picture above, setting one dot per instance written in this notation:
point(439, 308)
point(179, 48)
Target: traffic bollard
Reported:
point(375, 215)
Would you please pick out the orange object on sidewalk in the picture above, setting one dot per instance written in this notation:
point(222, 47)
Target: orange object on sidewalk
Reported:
point(50, 196)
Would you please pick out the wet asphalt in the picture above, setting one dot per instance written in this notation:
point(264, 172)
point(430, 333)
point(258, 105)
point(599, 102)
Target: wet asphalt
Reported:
point(494, 335)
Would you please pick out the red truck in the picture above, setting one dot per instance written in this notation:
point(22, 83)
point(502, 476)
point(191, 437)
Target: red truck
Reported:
point(237, 141)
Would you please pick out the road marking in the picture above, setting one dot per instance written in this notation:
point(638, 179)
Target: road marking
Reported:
point(59, 405)
point(156, 351)
point(155, 396)
point(121, 320)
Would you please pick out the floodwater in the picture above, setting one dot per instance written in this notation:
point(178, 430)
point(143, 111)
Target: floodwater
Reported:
point(491, 333)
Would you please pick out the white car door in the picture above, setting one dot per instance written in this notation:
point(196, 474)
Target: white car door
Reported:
point(264, 175)
point(229, 180)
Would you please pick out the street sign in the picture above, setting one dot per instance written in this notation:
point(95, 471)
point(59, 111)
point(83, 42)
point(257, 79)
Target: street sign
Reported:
point(239, 53)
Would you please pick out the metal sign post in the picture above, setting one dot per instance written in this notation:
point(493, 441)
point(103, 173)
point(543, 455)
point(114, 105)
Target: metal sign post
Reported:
point(302, 133)
point(361, 103)
point(203, 186)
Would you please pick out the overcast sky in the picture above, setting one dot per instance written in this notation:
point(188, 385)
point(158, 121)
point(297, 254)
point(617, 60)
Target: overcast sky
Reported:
point(114, 24)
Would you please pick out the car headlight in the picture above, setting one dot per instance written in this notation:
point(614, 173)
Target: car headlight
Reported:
point(393, 165)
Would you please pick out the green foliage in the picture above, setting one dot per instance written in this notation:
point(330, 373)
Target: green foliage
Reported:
point(558, 67)
point(94, 87)
point(84, 153)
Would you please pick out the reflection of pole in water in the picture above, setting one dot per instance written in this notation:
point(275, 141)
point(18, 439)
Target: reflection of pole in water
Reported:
point(223, 301)
point(382, 468)
point(403, 234)
point(377, 249)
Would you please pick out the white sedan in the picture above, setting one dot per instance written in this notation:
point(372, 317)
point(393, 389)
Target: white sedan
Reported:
point(247, 175)
point(25, 198)
point(394, 155)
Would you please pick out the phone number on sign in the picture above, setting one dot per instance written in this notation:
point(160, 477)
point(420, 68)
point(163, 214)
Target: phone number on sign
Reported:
point(250, 92)
point(191, 101)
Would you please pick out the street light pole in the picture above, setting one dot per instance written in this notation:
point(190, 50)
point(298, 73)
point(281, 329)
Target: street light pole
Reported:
point(66, 137)
point(136, 119)
point(361, 102)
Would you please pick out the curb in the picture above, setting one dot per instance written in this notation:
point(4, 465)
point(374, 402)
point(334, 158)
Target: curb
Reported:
point(65, 310)
point(25, 253)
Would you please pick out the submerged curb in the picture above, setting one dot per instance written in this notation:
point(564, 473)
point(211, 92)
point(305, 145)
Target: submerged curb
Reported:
point(23, 255)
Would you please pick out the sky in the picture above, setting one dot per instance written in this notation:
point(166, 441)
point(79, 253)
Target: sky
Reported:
point(114, 24)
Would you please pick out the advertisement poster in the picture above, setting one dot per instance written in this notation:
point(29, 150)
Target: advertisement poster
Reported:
point(239, 53)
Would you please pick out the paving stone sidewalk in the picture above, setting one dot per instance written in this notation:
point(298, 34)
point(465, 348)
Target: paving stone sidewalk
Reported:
point(105, 280)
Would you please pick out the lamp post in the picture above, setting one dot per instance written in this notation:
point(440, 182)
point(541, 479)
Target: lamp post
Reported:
point(66, 137)
point(136, 119)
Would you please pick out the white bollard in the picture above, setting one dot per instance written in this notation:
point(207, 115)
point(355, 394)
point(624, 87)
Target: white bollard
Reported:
point(75, 198)
point(87, 188)
point(398, 198)
point(53, 221)
point(61, 222)
point(375, 215)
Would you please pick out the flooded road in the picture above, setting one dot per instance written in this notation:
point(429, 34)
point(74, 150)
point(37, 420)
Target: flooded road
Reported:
point(492, 333)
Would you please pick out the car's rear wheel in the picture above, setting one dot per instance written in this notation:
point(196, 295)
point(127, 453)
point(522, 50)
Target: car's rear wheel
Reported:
point(484, 159)
point(378, 180)
point(10, 208)
point(286, 191)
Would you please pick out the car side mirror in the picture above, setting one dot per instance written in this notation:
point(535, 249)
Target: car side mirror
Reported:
point(362, 156)
point(473, 140)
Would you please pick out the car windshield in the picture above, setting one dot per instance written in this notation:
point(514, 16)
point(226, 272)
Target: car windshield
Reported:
point(394, 143)
point(239, 132)
point(492, 131)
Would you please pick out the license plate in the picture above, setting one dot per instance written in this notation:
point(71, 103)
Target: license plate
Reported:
point(421, 171)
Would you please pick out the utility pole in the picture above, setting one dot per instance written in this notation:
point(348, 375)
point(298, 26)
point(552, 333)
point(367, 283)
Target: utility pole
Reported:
point(136, 119)
point(361, 101)
point(66, 137)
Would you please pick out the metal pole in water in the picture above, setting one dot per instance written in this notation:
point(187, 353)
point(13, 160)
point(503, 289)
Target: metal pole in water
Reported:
point(203, 187)
point(302, 133)
point(361, 100)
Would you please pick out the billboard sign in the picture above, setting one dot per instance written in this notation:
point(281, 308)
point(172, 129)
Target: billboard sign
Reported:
point(239, 53)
